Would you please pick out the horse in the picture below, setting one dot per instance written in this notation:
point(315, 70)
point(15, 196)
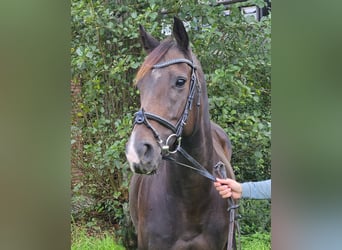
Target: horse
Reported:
point(173, 150)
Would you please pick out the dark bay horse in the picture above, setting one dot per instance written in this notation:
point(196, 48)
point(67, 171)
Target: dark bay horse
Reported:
point(175, 207)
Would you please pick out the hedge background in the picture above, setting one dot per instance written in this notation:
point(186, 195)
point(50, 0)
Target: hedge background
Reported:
point(235, 55)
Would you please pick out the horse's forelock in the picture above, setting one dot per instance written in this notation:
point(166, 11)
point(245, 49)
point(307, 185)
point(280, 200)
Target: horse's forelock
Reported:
point(153, 58)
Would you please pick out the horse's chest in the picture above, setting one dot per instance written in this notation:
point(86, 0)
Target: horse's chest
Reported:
point(182, 240)
point(164, 222)
point(184, 232)
point(198, 242)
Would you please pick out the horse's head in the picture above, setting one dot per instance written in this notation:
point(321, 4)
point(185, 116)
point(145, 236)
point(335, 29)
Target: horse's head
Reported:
point(168, 83)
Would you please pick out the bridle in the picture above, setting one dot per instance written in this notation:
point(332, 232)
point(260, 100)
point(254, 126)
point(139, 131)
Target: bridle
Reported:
point(142, 117)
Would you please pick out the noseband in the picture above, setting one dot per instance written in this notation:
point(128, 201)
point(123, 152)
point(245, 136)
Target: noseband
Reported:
point(142, 117)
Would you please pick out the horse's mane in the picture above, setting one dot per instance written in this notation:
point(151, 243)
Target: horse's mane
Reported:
point(154, 57)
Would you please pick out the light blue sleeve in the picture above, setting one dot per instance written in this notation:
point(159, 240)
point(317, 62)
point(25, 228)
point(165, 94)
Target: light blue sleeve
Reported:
point(257, 190)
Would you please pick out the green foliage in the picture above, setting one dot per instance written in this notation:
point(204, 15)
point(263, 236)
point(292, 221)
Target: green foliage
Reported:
point(257, 241)
point(105, 55)
point(255, 216)
point(239, 90)
point(81, 240)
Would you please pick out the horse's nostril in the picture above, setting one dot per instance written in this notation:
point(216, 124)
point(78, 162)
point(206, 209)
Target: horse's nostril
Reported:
point(147, 150)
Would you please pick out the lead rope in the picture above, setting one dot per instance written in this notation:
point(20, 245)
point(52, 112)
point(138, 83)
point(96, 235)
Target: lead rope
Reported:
point(220, 171)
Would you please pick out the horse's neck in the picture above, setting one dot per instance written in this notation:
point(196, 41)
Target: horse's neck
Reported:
point(200, 146)
point(186, 183)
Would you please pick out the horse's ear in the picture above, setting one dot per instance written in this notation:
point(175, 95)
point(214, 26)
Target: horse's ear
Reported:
point(180, 34)
point(148, 41)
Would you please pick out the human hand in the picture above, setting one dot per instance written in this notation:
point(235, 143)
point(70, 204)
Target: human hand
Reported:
point(228, 188)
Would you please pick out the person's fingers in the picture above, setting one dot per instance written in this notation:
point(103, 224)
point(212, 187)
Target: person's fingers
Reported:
point(224, 190)
point(225, 193)
point(217, 184)
point(221, 188)
point(222, 181)
point(226, 196)
point(226, 181)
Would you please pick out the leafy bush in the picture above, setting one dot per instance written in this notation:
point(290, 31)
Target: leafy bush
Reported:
point(105, 55)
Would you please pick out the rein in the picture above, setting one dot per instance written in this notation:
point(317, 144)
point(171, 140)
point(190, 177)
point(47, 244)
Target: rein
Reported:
point(142, 117)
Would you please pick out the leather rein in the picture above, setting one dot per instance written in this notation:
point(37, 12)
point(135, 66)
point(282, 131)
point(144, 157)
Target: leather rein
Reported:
point(142, 117)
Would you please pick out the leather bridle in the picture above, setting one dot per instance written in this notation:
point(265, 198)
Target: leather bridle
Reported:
point(142, 117)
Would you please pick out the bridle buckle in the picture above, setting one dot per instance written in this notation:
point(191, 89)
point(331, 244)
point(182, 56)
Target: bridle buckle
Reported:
point(165, 150)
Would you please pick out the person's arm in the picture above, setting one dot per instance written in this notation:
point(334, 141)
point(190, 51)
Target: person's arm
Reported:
point(256, 190)
point(252, 190)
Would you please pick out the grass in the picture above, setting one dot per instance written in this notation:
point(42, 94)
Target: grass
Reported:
point(81, 240)
point(256, 241)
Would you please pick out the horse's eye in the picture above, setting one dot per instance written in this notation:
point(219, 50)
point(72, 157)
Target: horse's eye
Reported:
point(180, 82)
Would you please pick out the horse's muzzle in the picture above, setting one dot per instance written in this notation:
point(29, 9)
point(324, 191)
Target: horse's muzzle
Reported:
point(136, 168)
point(143, 157)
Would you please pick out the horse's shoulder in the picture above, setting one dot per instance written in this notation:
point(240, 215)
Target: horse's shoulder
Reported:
point(221, 137)
point(222, 146)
